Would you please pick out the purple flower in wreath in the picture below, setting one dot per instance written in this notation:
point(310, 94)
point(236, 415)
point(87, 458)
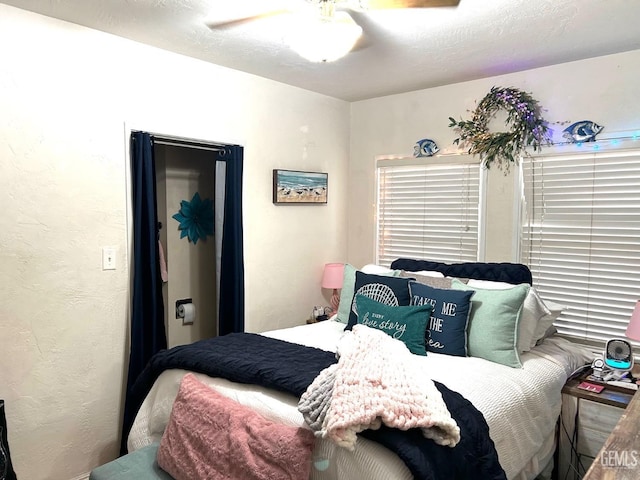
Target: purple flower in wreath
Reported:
point(195, 218)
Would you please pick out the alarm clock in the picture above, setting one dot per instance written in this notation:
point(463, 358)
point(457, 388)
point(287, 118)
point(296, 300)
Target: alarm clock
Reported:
point(598, 365)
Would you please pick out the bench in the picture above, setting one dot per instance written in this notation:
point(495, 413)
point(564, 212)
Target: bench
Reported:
point(138, 465)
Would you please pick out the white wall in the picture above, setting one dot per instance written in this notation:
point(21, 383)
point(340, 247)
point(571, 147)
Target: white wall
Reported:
point(66, 95)
point(605, 90)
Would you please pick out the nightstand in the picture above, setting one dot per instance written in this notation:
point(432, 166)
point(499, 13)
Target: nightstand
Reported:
point(586, 420)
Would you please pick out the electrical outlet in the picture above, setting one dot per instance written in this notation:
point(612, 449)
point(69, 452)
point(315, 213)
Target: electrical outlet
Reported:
point(108, 258)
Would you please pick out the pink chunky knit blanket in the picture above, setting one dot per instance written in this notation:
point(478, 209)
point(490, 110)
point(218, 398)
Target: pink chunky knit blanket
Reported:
point(375, 381)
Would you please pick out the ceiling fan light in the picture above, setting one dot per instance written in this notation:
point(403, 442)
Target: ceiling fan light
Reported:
point(322, 39)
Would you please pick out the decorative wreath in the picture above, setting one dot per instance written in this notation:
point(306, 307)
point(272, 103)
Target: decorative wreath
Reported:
point(527, 127)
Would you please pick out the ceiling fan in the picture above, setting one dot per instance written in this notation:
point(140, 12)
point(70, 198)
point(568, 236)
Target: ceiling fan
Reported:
point(327, 31)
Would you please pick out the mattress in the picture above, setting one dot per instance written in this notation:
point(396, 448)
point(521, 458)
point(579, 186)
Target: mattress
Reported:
point(521, 406)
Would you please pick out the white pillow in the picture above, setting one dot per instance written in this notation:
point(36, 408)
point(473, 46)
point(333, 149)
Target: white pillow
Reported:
point(380, 270)
point(373, 269)
point(429, 273)
point(555, 309)
point(533, 311)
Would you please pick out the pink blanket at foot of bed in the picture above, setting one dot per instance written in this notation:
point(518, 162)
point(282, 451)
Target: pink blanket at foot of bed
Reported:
point(211, 437)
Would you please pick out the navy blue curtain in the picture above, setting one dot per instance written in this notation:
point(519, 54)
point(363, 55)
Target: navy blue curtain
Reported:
point(6, 467)
point(147, 318)
point(231, 302)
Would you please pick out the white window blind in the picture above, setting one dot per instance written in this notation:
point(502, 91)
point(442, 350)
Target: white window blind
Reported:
point(581, 237)
point(427, 210)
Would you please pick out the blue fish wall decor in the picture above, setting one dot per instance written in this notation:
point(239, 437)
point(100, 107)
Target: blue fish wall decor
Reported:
point(425, 148)
point(584, 131)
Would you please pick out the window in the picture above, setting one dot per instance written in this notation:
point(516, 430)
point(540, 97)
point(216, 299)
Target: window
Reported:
point(427, 209)
point(581, 236)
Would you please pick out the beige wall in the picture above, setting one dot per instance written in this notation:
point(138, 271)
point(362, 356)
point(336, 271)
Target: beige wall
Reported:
point(605, 90)
point(67, 96)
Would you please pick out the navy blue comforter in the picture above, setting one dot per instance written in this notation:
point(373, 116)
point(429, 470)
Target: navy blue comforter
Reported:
point(255, 359)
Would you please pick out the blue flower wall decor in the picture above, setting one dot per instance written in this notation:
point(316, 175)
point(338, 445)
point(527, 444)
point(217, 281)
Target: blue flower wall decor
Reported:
point(196, 218)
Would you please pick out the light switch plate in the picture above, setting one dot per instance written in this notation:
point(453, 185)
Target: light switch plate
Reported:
point(108, 258)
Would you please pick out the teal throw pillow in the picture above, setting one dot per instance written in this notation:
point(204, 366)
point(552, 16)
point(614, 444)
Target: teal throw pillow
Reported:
point(346, 294)
point(408, 323)
point(494, 321)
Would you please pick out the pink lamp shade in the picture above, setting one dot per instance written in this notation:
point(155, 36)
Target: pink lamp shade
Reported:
point(633, 329)
point(332, 278)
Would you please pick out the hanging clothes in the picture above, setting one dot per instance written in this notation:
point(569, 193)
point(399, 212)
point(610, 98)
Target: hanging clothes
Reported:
point(163, 264)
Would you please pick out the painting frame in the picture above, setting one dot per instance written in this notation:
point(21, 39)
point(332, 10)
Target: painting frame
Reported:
point(297, 187)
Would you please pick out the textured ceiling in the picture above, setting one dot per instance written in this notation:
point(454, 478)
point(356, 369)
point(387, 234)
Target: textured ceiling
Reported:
point(402, 50)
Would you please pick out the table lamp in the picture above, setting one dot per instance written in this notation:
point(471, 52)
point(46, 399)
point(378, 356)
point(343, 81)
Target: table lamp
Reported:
point(332, 278)
point(633, 329)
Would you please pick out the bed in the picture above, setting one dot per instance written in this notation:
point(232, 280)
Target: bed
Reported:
point(520, 405)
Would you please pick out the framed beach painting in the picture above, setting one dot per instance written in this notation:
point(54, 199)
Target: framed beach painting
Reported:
point(295, 187)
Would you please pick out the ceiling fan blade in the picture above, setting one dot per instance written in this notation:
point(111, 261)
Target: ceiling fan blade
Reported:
point(371, 32)
point(379, 4)
point(234, 22)
point(363, 43)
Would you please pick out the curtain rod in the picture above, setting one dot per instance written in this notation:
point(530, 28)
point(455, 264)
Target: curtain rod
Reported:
point(199, 146)
point(186, 142)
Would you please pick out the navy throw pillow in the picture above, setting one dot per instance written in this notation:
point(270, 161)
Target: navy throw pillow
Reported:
point(393, 291)
point(447, 329)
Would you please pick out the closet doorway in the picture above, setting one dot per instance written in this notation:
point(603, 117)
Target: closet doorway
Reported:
point(181, 172)
point(165, 171)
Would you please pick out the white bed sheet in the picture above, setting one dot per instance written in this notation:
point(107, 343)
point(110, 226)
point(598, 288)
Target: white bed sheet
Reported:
point(520, 405)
